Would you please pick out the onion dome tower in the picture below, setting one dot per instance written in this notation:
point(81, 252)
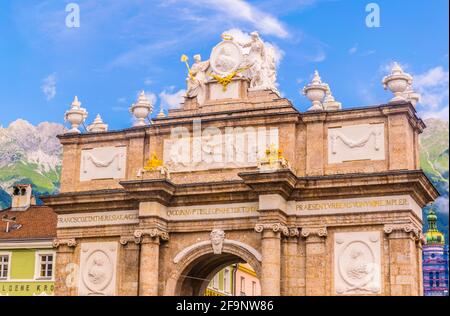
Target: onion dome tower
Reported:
point(435, 260)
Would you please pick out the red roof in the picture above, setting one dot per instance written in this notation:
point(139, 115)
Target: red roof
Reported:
point(38, 222)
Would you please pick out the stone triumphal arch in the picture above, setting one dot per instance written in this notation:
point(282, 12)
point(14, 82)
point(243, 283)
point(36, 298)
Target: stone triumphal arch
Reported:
point(322, 202)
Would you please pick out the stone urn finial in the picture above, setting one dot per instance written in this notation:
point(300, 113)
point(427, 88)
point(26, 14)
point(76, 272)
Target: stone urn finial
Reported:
point(411, 96)
point(397, 81)
point(75, 116)
point(161, 113)
point(98, 125)
point(141, 109)
point(330, 103)
point(315, 91)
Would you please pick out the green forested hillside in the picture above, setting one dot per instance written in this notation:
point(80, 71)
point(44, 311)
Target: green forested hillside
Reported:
point(434, 161)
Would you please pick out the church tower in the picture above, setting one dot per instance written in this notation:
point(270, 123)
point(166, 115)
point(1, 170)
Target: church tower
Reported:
point(435, 260)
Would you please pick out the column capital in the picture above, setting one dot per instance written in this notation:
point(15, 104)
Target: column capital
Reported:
point(69, 242)
point(274, 227)
point(156, 233)
point(407, 228)
point(294, 232)
point(124, 240)
point(314, 231)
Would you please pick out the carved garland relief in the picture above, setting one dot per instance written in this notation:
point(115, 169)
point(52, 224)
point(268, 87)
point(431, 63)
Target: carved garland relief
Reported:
point(103, 163)
point(357, 263)
point(98, 263)
point(356, 142)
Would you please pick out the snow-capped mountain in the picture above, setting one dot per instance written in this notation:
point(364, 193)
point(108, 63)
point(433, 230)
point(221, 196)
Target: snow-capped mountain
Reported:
point(29, 154)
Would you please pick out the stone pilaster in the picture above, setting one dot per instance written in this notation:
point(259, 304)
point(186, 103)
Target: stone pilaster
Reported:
point(315, 136)
point(149, 260)
point(419, 245)
point(66, 268)
point(271, 254)
point(403, 264)
point(316, 257)
point(129, 266)
point(290, 269)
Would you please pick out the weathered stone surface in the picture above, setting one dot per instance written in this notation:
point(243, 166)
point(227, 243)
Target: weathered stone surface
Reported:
point(291, 250)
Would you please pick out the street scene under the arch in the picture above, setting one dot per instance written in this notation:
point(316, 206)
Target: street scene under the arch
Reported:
point(273, 161)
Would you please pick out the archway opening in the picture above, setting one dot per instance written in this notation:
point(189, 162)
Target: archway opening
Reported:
point(238, 279)
point(219, 275)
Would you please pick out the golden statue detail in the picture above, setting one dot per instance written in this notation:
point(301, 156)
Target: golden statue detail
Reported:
point(154, 168)
point(274, 159)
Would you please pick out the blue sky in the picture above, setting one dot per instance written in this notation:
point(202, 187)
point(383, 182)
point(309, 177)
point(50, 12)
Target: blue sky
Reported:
point(122, 47)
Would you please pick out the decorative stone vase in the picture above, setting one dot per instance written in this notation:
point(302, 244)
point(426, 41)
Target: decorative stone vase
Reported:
point(398, 81)
point(315, 92)
point(98, 125)
point(75, 116)
point(141, 109)
point(412, 96)
point(329, 103)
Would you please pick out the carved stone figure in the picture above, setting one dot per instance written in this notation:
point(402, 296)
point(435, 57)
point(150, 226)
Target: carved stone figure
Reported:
point(97, 273)
point(97, 269)
point(255, 60)
point(261, 62)
point(197, 79)
point(217, 237)
point(358, 263)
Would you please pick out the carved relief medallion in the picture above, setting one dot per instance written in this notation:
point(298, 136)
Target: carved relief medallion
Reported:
point(98, 269)
point(357, 263)
point(226, 58)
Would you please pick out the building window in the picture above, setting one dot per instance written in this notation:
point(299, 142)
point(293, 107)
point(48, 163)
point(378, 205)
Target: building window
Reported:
point(253, 288)
point(430, 278)
point(226, 280)
point(215, 281)
point(4, 267)
point(45, 266)
point(243, 286)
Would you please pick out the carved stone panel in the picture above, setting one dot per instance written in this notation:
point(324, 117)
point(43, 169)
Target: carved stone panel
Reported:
point(357, 263)
point(97, 273)
point(103, 163)
point(356, 142)
point(215, 148)
point(217, 92)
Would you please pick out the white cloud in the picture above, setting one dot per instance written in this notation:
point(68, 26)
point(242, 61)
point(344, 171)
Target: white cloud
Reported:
point(441, 205)
point(433, 77)
point(245, 12)
point(49, 86)
point(148, 81)
point(150, 96)
point(318, 57)
point(171, 100)
point(369, 52)
point(353, 50)
point(119, 108)
point(433, 86)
